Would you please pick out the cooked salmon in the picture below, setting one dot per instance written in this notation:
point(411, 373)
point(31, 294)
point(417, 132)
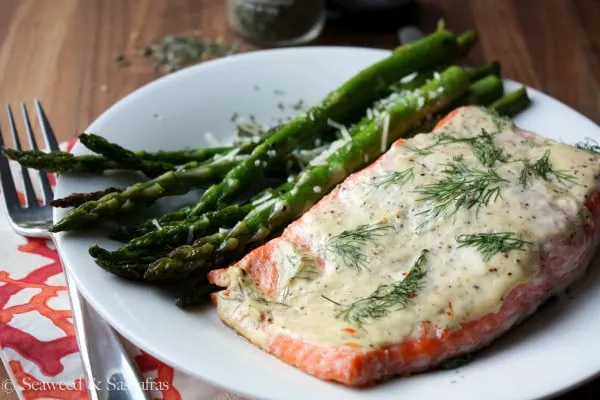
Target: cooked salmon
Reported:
point(433, 251)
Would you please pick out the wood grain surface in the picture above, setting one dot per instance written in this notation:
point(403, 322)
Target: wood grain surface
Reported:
point(62, 52)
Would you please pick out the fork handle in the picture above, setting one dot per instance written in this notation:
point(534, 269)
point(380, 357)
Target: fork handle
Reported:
point(109, 371)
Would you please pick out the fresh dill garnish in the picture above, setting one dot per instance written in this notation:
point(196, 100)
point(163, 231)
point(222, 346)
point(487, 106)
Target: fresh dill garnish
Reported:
point(490, 244)
point(482, 145)
point(498, 120)
point(542, 168)
point(307, 268)
point(486, 151)
point(249, 292)
point(348, 245)
point(461, 186)
point(440, 140)
point(386, 298)
point(590, 145)
point(286, 294)
point(394, 178)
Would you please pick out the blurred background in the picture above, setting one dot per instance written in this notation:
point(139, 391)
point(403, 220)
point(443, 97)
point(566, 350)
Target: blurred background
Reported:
point(81, 56)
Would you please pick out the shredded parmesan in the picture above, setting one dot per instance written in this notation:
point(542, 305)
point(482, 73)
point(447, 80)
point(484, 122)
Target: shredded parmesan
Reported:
point(369, 113)
point(231, 154)
point(408, 77)
point(420, 102)
point(262, 198)
point(384, 135)
point(156, 224)
point(317, 189)
point(366, 156)
point(436, 76)
point(212, 140)
point(343, 130)
point(190, 234)
point(257, 163)
point(266, 204)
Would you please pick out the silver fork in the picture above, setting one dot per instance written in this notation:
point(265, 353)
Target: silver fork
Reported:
point(109, 371)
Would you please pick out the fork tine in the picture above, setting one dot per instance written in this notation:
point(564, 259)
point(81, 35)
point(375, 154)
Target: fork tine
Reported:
point(11, 198)
point(29, 192)
point(47, 131)
point(42, 176)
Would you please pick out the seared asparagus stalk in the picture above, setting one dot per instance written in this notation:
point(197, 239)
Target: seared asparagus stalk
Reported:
point(77, 199)
point(61, 162)
point(122, 156)
point(143, 194)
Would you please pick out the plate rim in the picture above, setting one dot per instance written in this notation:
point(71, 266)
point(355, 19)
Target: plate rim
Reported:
point(195, 69)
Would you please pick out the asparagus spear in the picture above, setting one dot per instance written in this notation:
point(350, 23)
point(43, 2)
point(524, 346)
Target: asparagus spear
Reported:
point(144, 193)
point(513, 103)
point(341, 105)
point(122, 156)
point(367, 143)
point(77, 199)
point(61, 162)
point(179, 157)
point(158, 242)
point(198, 294)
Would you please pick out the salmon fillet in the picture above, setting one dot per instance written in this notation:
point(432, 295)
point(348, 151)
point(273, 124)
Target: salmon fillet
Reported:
point(433, 251)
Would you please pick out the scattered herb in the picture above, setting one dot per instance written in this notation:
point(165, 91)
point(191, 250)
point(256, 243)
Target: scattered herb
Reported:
point(348, 245)
point(386, 298)
point(174, 52)
point(542, 168)
point(461, 186)
point(590, 145)
point(299, 105)
point(490, 244)
point(394, 178)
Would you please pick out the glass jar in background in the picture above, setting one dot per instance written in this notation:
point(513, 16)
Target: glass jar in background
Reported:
point(277, 22)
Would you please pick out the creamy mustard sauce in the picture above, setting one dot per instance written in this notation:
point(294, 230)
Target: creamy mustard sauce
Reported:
point(459, 284)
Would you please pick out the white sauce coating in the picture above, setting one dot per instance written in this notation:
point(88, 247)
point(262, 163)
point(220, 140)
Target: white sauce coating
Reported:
point(459, 285)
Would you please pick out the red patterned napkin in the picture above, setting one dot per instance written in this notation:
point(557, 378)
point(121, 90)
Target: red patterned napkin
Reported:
point(37, 337)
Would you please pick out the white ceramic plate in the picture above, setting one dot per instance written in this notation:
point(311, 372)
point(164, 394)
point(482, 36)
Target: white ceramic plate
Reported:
point(548, 354)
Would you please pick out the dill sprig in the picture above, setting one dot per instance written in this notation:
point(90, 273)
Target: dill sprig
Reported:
point(498, 120)
point(542, 168)
point(394, 178)
point(461, 186)
point(482, 145)
point(348, 245)
point(490, 244)
point(440, 140)
point(387, 297)
point(590, 145)
point(486, 151)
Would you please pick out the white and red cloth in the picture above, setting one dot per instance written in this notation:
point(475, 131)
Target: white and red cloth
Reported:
point(37, 337)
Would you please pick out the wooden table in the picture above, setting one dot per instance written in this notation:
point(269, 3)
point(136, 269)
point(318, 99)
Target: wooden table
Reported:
point(62, 52)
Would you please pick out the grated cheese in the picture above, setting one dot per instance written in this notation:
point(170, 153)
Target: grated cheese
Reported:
point(343, 130)
point(317, 189)
point(436, 76)
point(156, 224)
point(384, 135)
point(264, 197)
point(212, 140)
point(190, 237)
